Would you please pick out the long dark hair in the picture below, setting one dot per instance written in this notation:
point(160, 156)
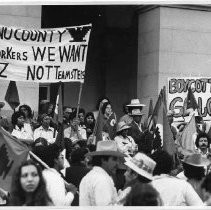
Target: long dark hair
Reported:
point(18, 195)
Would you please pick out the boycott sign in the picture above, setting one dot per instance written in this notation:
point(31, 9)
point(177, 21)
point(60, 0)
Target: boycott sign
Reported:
point(177, 93)
point(45, 55)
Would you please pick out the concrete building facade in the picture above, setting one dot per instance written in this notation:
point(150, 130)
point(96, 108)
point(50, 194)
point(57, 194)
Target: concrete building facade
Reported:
point(133, 49)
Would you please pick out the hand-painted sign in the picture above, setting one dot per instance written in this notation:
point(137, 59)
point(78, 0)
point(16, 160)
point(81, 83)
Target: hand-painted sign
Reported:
point(177, 93)
point(45, 55)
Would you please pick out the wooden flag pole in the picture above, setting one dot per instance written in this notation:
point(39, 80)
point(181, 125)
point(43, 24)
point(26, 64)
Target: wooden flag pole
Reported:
point(79, 99)
point(78, 105)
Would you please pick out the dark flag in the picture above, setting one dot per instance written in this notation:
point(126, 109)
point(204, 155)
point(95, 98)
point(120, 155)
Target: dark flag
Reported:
point(12, 97)
point(12, 153)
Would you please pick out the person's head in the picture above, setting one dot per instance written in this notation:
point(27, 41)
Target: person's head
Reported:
point(193, 172)
point(108, 163)
point(26, 110)
point(194, 166)
point(51, 155)
point(79, 144)
point(78, 156)
point(122, 129)
point(137, 115)
point(101, 101)
point(67, 112)
point(28, 180)
point(50, 109)
point(89, 118)
point(18, 118)
point(164, 162)
point(106, 156)
point(139, 167)
point(40, 142)
point(45, 120)
point(202, 141)
point(143, 194)
point(106, 109)
point(81, 115)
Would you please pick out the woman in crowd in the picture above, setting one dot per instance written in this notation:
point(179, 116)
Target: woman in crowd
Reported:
point(109, 117)
point(124, 142)
point(89, 123)
point(28, 187)
point(18, 119)
point(29, 123)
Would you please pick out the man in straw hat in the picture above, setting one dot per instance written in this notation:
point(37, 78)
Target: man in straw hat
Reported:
point(139, 169)
point(136, 128)
point(97, 187)
point(125, 143)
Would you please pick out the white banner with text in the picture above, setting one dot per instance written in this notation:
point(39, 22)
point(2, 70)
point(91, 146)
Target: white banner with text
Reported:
point(44, 55)
point(178, 90)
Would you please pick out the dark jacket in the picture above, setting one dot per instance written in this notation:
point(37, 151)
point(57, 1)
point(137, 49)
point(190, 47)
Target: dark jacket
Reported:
point(74, 175)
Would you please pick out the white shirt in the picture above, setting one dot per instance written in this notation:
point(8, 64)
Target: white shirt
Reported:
point(69, 133)
point(125, 145)
point(21, 133)
point(56, 188)
point(176, 192)
point(97, 189)
point(46, 134)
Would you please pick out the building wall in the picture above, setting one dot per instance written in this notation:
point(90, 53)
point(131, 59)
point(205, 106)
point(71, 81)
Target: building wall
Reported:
point(148, 56)
point(173, 41)
point(26, 16)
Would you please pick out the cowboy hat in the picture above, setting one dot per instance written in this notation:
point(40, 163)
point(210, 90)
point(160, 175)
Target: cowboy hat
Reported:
point(135, 103)
point(2, 104)
point(136, 112)
point(141, 164)
point(122, 126)
point(197, 160)
point(107, 148)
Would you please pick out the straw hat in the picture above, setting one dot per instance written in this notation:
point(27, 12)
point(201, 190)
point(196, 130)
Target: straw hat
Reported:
point(135, 103)
point(136, 112)
point(197, 160)
point(2, 104)
point(107, 147)
point(141, 164)
point(122, 126)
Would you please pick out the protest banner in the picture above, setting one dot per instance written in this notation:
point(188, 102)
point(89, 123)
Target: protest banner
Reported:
point(44, 55)
point(178, 90)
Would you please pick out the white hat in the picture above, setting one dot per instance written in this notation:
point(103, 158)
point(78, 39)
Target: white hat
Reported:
point(197, 160)
point(122, 125)
point(136, 112)
point(135, 103)
point(141, 164)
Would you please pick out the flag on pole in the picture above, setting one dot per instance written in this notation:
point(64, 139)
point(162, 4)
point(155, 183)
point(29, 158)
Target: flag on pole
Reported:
point(58, 112)
point(189, 103)
point(168, 138)
point(12, 153)
point(12, 97)
point(150, 112)
point(58, 118)
point(187, 140)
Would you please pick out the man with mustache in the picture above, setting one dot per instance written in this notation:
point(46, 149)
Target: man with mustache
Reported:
point(203, 144)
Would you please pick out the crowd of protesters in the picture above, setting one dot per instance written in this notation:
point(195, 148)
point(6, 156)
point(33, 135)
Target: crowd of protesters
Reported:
point(97, 159)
